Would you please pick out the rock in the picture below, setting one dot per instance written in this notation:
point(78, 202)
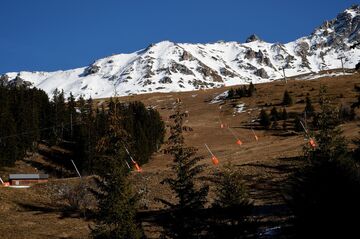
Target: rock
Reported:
point(176, 67)
point(250, 54)
point(198, 84)
point(208, 72)
point(18, 81)
point(247, 66)
point(186, 56)
point(226, 72)
point(302, 50)
point(252, 38)
point(165, 80)
point(4, 80)
point(91, 70)
point(261, 73)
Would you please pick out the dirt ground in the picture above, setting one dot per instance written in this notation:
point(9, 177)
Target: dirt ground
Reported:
point(265, 164)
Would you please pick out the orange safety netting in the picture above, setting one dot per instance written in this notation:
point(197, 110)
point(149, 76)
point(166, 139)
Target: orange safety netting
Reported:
point(312, 142)
point(214, 160)
point(137, 167)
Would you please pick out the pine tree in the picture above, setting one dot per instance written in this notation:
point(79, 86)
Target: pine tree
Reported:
point(309, 108)
point(59, 109)
point(297, 124)
point(117, 204)
point(274, 115)
point(264, 119)
point(231, 94)
point(241, 92)
point(284, 114)
point(325, 193)
point(71, 114)
point(9, 151)
point(230, 188)
point(232, 206)
point(287, 99)
point(184, 222)
point(331, 143)
point(251, 90)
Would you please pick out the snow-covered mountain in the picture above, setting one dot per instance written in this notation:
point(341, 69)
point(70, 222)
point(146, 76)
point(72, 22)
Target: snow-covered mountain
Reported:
point(168, 66)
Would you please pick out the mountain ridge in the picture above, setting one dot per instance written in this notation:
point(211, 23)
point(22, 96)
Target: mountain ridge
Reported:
point(167, 66)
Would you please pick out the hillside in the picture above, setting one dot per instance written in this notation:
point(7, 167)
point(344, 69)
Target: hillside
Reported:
point(174, 67)
point(265, 164)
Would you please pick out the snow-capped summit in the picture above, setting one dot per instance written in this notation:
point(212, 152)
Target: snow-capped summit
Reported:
point(167, 66)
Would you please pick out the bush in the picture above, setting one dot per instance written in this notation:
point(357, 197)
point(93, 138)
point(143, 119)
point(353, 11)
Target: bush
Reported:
point(75, 197)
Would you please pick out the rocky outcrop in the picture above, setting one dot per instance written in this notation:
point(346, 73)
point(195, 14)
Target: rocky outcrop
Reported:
point(250, 54)
point(4, 80)
point(261, 73)
point(165, 80)
point(208, 72)
point(179, 68)
point(186, 56)
point(226, 72)
point(302, 50)
point(198, 84)
point(252, 38)
point(18, 81)
point(260, 57)
point(92, 69)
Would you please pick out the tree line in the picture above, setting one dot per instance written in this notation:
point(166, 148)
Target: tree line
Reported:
point(28, 116)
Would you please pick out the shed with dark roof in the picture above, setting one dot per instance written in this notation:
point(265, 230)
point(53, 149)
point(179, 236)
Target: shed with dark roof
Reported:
point(27, 179)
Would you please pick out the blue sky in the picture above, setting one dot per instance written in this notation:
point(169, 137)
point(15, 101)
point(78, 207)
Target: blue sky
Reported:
point(48, 35)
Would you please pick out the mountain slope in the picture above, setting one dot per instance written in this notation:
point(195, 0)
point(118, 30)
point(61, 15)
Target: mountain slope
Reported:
point(168, 66)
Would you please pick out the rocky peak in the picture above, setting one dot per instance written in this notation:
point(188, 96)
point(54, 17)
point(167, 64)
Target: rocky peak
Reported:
point(339, 31)
point(252, 38)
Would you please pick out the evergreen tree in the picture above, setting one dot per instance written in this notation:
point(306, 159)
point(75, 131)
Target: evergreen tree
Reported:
point(287, 99)
point(251, 89)
point(297, 124)
point(284, 114)
point(309, 108)
point(71, 115)
point(231, 93)
point(232, 207)
point(59, 109)
point(331, 143)
point(325, 193)
point(274, 115)
point(241, 92)
point(184, 222)
point(9, 151)
point(264, 119)
point(117, 204)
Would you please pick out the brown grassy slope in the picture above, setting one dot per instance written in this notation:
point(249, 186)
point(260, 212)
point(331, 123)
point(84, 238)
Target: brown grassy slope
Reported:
point(265, 164)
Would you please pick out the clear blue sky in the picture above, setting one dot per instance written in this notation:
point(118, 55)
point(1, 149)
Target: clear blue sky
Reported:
point(63, 34)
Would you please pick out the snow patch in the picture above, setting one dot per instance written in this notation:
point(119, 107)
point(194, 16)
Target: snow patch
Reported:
point(220, 98)
point(240, 108)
